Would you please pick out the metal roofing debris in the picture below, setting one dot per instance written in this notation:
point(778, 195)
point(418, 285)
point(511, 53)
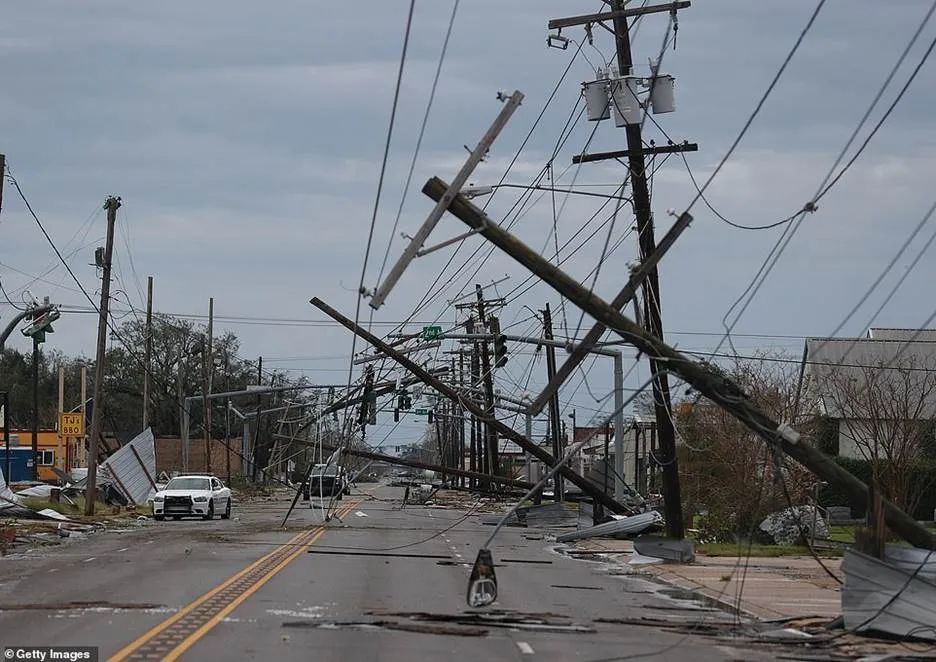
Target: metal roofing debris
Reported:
point(883, 597)
point(668, 549)
point(632, 524)
point(7, 498)
point(790, 525)
point(133, 467)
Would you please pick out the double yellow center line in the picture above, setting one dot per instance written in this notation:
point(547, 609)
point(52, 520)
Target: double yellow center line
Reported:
point(175, 635)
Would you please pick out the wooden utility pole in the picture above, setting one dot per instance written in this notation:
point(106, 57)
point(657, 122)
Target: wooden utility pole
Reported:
point(208, 362)
point(81, 447)
point(35, 411)
point(477, 450)
point(554, 427)
point(588, 487)
point(710, 383)
point(148, 358)
point(61, 450)
point(493, 461)
point(2, 175)
point(672, 503)
point(256, 439)
point(112, 204)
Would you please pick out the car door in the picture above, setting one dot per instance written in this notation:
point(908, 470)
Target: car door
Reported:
point(217, 493)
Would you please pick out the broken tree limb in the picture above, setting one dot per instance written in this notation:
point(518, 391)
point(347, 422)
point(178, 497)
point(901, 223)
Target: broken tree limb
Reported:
point(710, 383)
point(587, 487)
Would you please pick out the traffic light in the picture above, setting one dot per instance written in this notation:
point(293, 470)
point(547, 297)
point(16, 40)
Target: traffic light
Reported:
point(41, 324)
point(367, 414)
point(404, 401)
point(500, 343)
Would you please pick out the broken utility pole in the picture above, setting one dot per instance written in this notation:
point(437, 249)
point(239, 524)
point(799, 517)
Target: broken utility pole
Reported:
point(587, 487)
point(111, 205)
point(707, 381)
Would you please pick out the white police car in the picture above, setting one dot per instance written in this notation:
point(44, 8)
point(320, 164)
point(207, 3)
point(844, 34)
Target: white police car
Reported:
point(193, 496)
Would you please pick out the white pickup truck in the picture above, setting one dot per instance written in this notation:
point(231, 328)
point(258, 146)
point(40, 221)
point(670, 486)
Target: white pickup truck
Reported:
point(195, 495)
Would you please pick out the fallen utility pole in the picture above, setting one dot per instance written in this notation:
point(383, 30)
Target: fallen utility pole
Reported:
point(111, 205)
point(582, 349)
point(707, 381)
point(590, 489)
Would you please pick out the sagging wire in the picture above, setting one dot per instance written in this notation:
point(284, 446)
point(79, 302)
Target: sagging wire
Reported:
point(482, 587)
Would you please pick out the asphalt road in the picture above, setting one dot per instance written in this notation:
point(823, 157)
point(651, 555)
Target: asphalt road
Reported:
point(246, 589)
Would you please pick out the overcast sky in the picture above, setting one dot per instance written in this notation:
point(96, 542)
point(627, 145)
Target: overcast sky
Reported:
point(245, 140)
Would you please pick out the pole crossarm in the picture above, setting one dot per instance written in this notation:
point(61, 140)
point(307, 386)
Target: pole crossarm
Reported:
point(584, 19)
point(627, 153)
point(591, 489)
point(707, 381)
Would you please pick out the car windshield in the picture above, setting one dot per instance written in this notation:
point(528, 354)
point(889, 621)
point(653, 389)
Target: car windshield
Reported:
point(320, 469)
point(189, 483)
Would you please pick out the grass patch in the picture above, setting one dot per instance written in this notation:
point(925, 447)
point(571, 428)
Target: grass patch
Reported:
point(761, 551)
point(843, 534)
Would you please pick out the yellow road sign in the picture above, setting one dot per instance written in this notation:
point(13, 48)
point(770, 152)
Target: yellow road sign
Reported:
point(72, 425)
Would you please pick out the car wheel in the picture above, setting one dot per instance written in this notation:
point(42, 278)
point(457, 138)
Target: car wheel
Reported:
point(227, 510)
point(159, 518)
point(210, 514)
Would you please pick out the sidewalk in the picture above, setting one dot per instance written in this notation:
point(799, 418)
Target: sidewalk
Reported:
point(770, 588)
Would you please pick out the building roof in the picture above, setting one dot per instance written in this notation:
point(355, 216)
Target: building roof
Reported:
point(902, 360)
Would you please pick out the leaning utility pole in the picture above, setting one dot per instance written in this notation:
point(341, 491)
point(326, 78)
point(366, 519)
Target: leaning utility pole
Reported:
point(703, 378)
point(111, 205)
point(558, 485)
point(148, 358)
point(587, 486)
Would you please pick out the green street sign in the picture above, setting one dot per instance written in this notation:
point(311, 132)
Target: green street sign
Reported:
point(422, 412)
point(432, 332)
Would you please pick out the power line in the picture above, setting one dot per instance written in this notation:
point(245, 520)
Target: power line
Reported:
point(419, 139)
point(760, 103)
point(380, 181)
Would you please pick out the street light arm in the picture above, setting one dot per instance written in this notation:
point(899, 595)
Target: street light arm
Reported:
point(19, 318)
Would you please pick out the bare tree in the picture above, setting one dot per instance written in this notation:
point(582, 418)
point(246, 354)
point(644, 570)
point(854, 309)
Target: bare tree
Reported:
point(885, 410)
point(728, 474)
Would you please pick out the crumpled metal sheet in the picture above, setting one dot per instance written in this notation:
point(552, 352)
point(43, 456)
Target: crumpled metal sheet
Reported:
point(633, 524)
point(791, 525)
point(124, 470)
point(7, 498)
